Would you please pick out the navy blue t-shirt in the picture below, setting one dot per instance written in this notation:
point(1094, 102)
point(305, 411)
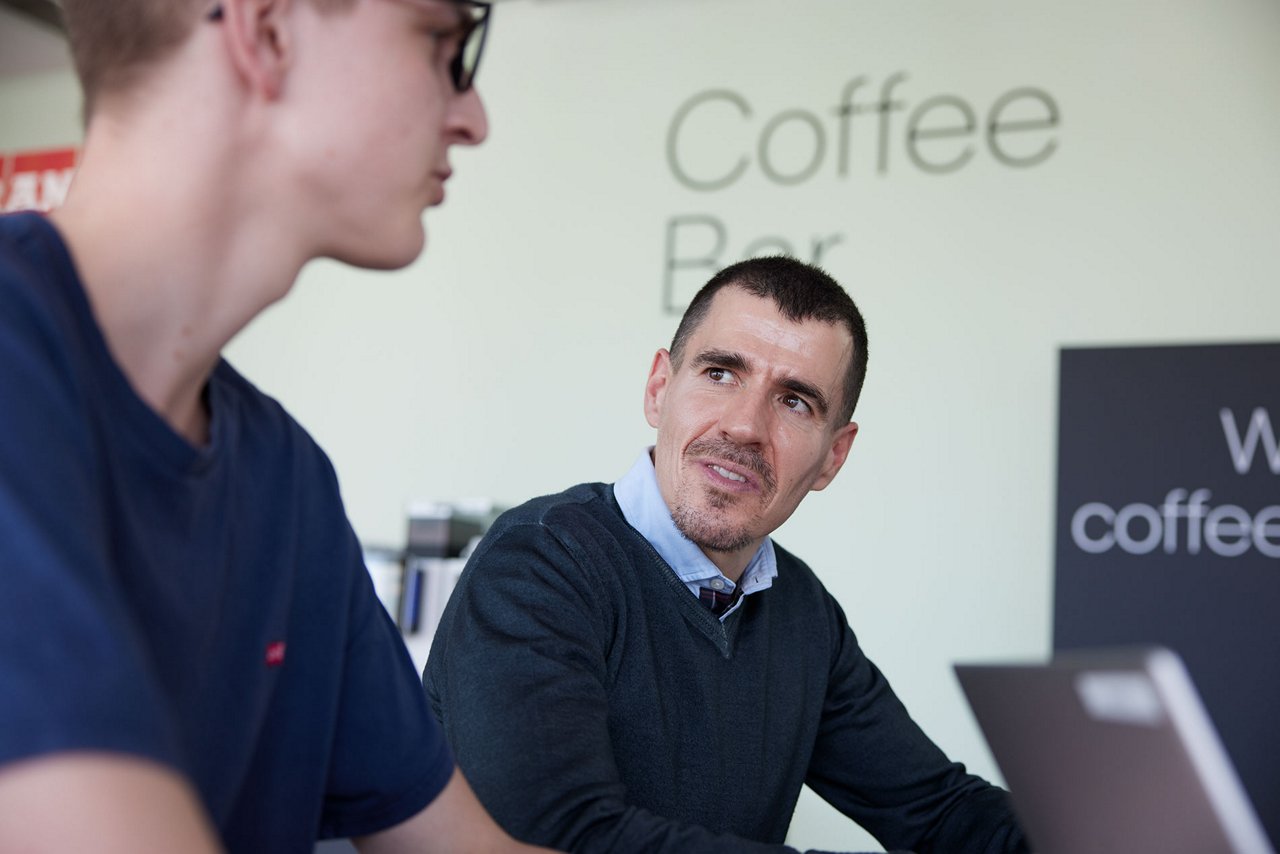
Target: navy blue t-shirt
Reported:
point(204, 608)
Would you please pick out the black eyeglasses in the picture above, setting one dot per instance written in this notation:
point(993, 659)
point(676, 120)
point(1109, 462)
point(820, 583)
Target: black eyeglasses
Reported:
point(463, 68)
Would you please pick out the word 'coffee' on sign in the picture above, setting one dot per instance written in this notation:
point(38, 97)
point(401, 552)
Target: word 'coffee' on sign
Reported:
point(721, 139)
point(1185, 522)
point(720, 128)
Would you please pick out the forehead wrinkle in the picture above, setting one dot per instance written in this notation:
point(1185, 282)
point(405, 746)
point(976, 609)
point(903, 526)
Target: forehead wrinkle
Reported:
point(804, 345)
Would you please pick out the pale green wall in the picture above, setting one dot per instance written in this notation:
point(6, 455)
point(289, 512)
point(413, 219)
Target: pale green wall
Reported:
point(510, 360)
point(39, 111)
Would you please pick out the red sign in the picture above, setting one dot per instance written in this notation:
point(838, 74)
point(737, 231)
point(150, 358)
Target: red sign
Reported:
point(35, 180)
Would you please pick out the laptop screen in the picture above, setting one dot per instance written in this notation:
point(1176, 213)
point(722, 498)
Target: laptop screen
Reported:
point(1112, 751)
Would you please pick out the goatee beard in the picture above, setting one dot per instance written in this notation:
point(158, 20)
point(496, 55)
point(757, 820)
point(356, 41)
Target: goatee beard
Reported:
point(706, 528)
point(707, 533)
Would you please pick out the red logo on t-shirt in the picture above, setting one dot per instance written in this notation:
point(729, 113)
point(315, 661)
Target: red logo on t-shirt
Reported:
point(275, 653)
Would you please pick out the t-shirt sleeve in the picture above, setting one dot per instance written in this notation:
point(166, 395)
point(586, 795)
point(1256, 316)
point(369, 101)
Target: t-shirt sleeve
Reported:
point(390, 758)
point(74, 674)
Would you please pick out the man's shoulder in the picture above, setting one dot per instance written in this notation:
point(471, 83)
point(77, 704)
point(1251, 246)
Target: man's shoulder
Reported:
point(798, 586)
point(21, 234)
point(32, 258)
point(582, 523)
point(790, 565)
point(265, 430)
point(577, 504)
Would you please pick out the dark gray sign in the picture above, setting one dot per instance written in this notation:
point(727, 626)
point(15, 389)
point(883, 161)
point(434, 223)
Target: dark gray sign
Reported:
point(1168, 527)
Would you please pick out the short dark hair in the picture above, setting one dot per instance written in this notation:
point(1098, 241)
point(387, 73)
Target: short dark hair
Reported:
point(801, 292)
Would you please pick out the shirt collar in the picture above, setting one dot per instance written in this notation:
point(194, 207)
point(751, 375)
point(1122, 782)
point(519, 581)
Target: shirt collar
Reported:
point(645, 510)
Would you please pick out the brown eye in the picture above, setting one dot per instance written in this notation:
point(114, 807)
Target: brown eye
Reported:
point(795, 403)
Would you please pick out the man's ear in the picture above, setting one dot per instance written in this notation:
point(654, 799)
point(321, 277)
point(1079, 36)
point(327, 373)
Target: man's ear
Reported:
point(836, 455)
point(258, 38)
point(655, 390)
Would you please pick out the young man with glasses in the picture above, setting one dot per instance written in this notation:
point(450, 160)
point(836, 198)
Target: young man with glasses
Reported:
point(191, 654)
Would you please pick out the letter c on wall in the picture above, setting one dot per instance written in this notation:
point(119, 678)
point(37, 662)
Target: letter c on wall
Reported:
point(673, 140)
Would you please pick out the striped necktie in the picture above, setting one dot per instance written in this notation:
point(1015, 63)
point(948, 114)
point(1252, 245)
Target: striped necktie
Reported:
point(717, 601)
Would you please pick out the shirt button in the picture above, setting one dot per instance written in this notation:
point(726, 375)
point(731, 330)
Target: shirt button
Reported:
point(717, 584)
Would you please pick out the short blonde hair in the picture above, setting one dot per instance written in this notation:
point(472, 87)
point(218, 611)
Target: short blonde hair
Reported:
point(113, 41)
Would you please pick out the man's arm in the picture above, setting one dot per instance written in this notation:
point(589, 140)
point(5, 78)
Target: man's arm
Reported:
point(454, 822)
point(100, 802)
point(874, 763)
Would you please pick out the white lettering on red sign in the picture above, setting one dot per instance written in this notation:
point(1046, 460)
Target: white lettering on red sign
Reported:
point(36, 180)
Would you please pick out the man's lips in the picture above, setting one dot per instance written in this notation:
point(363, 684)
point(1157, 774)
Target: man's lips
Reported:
point(440, 176)
point(730, 467)
point(728, 476)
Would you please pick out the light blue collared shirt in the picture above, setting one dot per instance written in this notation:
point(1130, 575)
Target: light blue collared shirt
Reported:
point(645, 510)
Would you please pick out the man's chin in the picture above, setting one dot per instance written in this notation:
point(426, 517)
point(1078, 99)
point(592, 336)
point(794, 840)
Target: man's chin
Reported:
point(386, 254)
point(710, 534)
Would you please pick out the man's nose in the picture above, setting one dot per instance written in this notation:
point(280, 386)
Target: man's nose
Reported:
point(468, 123)
point(745, 418)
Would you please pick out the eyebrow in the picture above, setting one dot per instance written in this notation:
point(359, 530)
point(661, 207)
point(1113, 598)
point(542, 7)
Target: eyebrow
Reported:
point(737, 362)
point(721, 359)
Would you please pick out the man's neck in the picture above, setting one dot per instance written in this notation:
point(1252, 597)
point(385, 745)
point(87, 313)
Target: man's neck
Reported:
point(173, 261)
point(732, 564)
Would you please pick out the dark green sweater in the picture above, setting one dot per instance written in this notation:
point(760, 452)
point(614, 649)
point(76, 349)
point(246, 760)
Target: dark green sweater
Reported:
point(596, 706)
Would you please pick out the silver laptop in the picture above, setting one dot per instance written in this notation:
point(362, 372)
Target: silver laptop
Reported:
point(1112, 751)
